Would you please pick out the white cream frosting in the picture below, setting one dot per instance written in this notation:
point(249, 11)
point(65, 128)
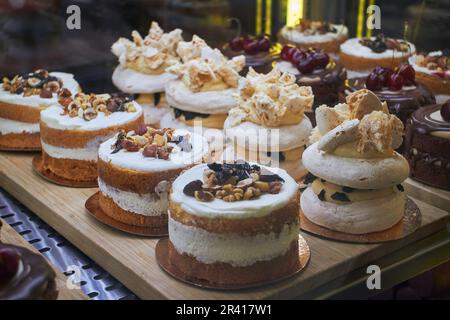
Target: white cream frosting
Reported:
point(130, 81)
point(356, 217)
point(295, 35)
point(36, 101)
point(53, 117)
point(376, 173)
point(254, 136)
point(234, 249)
point(259, 207)
point(86, 154)
point(147, 204)
point(441, 98)
point(136, 160)
point(8, 126)
point(153, 115)
point(207, 102)
point(352, 47)
point(286, 66)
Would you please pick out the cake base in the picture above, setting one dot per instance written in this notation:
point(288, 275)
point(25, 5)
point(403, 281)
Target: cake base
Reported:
point(165, 253)
point(92, 206)
point(38, 167)
point(20, 142)
point(412, 219)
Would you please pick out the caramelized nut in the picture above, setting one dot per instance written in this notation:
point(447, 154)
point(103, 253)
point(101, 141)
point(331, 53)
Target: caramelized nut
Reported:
point(204, 196)
point(261, 185)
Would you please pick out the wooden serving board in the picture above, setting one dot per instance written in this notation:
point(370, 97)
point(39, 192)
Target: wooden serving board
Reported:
point(131, 259)
point(10, 236)
point(437, 197)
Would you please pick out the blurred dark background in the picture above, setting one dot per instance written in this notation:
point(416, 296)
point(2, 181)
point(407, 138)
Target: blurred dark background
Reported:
point(33, 33)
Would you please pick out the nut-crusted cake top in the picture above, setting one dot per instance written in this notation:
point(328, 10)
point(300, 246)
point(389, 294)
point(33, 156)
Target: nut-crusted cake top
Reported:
point(151, 54)
point(206, 69)
point(271, 99)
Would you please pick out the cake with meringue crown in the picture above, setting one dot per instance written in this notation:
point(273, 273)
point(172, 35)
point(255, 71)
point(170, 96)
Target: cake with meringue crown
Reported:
point(205, 88)
point(73, 129)
point(234, 223)
point(355, 175)
point(22, 99)
point(142, 68)
point(136, 169)
point(268, 125)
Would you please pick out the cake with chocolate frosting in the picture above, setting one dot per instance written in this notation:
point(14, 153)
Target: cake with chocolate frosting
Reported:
point(314, 34)
point(314, 68)
point(398, 88)
point(204, 91)
point(142, 68)
point(355, 175)
point(25, 275)
point(427, 145)
point(260, 52)
point(360, 55)
point(73, 129)
point(433, 70)
point(22, 98)
point(136, 170)
point(269, 125)
point(234, 223)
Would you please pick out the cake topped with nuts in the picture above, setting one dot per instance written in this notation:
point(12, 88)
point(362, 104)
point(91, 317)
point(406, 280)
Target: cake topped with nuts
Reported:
point(271, 100)
point(151, 54)
point(36, 88)
point(234, 182)
point(380, 43)
point(436, 63)
point(206, 69)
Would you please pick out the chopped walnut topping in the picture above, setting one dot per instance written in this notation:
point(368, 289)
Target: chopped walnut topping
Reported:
point(150, 55)
point(234, 182)
point(203, 68)
point(268, 99)
point(309, 27)
point(39, 82)
point(436, 61)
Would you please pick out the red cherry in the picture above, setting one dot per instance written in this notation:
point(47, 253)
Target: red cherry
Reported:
point(383, 73)
point(374, 82)
point(264, 44)
point(408, 73)
point(286, 53)
point(321, 59)
point(9, 263)
point(306, 65)
point(297, 56)
point(236, 43)
point(445, 111)
point(395, 82)
point(250, 46)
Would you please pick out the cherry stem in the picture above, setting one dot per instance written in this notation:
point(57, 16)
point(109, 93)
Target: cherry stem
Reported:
point(238, 23)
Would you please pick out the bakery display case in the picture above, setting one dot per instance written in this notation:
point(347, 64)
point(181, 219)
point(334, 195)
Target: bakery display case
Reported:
point(223, 149)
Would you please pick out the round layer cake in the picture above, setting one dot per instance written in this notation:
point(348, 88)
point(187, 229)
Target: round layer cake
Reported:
point(359, 56)
point(234, 224)
point(72, 131)
point(21, 100)
point(142, 68)
point(25, 275)
point(326, 77)
point(433, 70)
point(314, 34)
point(135, 172)
point(402, 102)
point(427, 145)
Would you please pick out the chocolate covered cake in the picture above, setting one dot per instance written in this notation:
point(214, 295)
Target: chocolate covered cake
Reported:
point(427, 145)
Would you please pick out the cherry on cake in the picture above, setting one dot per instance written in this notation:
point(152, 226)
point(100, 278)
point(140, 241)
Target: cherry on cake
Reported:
point(355, 175)
point(73, 129)
point(142, 68)
point(21, 100)
point(136, 170)
point(314, 34)
point(234, 223)
point(269, 125)
point(433, 70)
point(360, 55)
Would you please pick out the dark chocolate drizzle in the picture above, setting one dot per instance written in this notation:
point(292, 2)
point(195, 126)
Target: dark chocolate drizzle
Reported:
point(35, 280)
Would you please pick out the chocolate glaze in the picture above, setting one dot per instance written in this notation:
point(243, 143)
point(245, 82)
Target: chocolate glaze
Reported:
point(35, 282)
point(261, 62)
point(428, 155)
point(402, 103)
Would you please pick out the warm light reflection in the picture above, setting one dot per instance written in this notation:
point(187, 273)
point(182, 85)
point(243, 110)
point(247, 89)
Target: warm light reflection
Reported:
point(294, 12)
